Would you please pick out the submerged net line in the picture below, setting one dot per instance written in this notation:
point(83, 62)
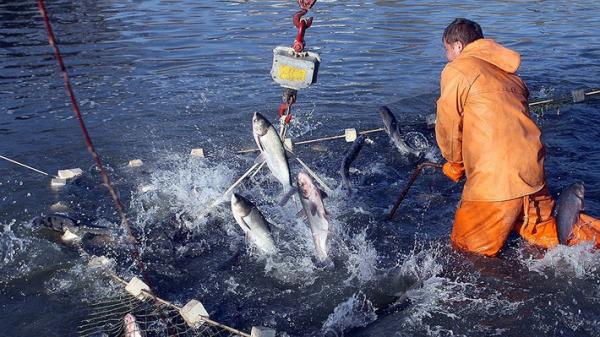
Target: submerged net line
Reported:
point(152, 319)
point(154, 316)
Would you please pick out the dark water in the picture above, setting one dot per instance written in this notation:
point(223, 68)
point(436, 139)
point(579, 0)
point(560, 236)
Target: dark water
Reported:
point(156, 79)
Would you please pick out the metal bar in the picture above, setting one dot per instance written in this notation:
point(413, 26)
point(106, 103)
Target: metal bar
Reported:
point(541, 102)
point(592, 93)
point(26, 166)
point(235, 184)
point(314, 175)
point(258, 169)
point(319, 139)
point(412, 179)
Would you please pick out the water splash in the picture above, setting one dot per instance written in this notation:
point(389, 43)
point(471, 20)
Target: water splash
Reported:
point(357, 311)
point(579, 261)
point(361, 259)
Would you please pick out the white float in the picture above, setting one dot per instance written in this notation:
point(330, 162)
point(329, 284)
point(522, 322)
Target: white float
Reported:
point(261, 331)
point(193, 313)
point(135, 163)
point(136, 286)
point(197, 152)
point(350, 135)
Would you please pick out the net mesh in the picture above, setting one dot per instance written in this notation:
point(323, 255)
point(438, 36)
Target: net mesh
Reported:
point(106, 318)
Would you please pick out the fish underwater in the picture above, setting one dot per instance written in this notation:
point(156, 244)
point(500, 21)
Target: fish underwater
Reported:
point(132, 329)
point(61, 223)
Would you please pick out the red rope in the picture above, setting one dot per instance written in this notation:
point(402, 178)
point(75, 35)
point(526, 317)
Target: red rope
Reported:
point(88, 140)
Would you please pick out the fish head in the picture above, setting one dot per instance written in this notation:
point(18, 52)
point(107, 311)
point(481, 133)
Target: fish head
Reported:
point(260, 125)
point(240, 206)
point(389, 121)
point(57, 222)
point(38, 221)
point(129, 319)
point(579, 190)
point(305, 185)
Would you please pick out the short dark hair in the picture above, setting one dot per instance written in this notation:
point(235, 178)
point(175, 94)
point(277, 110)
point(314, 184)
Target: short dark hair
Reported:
point(462, 30)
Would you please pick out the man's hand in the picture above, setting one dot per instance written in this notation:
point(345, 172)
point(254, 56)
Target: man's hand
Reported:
point(454, 171)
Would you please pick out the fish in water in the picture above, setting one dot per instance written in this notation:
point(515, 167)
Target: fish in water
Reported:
point(391, 128)
point(570, 203)
point(311, 198)
point(348, 159)
point(132, 329)
point(273, 153)
point(253, 223)
point(61, 223)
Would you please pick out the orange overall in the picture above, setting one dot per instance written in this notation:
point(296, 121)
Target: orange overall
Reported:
point(484, 130)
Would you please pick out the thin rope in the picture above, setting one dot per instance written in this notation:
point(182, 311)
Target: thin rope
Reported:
point(27, 166)
point(88, 140)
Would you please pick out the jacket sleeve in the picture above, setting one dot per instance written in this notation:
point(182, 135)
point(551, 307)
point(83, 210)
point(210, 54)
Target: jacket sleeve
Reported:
point(449, 119)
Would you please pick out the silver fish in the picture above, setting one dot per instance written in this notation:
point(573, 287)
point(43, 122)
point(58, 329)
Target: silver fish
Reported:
point(570, 203)
point(391, 128)
point(253, 223)
point(62, 223)
point(273, 152)
point(312, 203)
point(348, 159)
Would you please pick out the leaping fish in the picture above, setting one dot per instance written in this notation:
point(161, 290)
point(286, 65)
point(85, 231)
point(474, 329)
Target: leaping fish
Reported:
point(391, 128)
point(273, 153)
point(568, 207)
point(348, 159)
point(311, 198)
point(253, 223)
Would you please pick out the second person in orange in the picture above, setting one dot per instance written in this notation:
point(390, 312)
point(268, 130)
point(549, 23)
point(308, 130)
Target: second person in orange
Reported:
point(484, 131)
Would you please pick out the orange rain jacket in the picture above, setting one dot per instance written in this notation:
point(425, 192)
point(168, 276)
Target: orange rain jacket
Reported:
point(483, 123)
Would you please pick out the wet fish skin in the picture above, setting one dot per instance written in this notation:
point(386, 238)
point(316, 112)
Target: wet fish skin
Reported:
point(253, 223)
point(568, 207)
point(273, 152)
point(391, 128)
point(348, 159)
point(132, 329)
point(62, 223)
point(311, 198)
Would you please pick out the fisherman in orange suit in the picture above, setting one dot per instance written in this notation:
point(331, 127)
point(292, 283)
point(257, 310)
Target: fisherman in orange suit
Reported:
point(484, 131)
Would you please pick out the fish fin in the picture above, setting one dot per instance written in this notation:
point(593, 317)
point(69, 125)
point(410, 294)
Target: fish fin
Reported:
point(258, 144)
point(313, 209)
point(261, 158)
point(323, 194)
point(289, 153)
point(286, 195)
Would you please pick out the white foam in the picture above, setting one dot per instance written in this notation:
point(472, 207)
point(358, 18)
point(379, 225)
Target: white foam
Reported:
point(361, 259)
point(357, 311)
point(579, 261)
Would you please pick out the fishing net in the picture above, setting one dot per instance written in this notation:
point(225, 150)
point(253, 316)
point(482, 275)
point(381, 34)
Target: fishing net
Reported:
point(106, 318)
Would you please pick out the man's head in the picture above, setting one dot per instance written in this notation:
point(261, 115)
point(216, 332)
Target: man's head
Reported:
point(458, 35)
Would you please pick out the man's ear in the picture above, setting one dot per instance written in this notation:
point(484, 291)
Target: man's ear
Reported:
point(459, 46)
